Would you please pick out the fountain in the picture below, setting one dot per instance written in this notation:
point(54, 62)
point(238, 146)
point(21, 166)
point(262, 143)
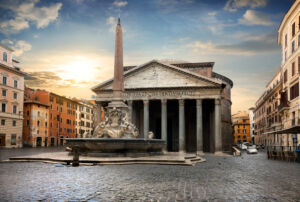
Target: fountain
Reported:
point(116, 135)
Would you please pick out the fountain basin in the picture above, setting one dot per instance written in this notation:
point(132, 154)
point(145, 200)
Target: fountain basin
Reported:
point(116, 146)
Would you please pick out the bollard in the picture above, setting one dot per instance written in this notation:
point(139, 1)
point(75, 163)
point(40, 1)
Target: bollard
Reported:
point(75, 162)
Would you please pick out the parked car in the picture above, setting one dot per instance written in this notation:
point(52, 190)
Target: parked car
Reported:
point(242, 146)
point(252, 149)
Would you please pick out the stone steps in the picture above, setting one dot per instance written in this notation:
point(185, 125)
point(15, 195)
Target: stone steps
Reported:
point(189, 159)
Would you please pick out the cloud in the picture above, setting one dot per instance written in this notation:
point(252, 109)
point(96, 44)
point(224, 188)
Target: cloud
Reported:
point(120, 3)
point(234, 5)
point(172, 5)
point(248, 46)
point(19, 47)
point(252, 17)
point(27, 13)
point(7, 41)
point(214, 13)
point(41, 79)
point(111, 21)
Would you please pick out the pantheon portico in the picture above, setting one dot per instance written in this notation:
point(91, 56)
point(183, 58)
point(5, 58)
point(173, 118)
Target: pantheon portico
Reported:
point(186, 104)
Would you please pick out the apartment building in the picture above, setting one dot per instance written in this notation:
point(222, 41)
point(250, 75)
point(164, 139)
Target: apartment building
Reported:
point(62, 112)
point(84, 118)
point(35, 123)
point(289, 40)
point(241, 127)
point(11, 99)
point(277, 111)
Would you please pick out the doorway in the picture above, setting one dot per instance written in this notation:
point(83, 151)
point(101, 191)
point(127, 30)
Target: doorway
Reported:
point(2, 140)
point(172, 126)
point(38, 141)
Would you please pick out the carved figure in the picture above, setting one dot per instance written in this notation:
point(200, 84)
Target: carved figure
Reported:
point(151, 135)
point(116, 125)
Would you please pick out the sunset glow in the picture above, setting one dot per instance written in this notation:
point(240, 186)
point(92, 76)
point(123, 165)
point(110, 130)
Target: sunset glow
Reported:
point(79, 69)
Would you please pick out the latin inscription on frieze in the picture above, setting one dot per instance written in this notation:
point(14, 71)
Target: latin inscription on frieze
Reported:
point(158, 94)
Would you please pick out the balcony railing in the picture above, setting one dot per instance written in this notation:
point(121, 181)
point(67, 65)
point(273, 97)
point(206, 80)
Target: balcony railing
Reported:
point(293, 122)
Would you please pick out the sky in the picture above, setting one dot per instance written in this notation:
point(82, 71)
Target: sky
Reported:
point(67, 46)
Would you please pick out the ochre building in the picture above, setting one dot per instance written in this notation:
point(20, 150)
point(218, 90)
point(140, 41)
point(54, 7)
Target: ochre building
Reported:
point(35, 123)
point(241, 128)
point(62, 115)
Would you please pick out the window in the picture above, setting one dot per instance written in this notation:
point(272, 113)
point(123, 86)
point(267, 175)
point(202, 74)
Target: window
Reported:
point(2, 122)
point(285, 76)
point(293, 68)
point(39, 114)
point(27, 113)
point(293, 30)
point(5, 56)
point(27, 122)
point(14, 123)
point(294, 91)
point(298, 40)
point(15, 83)
point(244, 131)
point(299, 64)
point(293, 46)
point(4, 93)
point(51, 100)
point(38, 132)
point(4, 80)
point(15, 95)
point(38, 123)
point(13, 139)
point(3, 107)
point(46, 124)
point(14, 109)
point(285, 56)
point(285, 41)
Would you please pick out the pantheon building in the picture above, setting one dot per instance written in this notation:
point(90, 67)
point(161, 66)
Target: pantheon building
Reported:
point(186, 104)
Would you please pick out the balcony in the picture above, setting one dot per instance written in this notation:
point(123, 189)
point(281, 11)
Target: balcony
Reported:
point(282, 107)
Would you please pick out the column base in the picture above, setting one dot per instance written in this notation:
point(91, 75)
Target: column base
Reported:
point(219, 153)
point(182, 152)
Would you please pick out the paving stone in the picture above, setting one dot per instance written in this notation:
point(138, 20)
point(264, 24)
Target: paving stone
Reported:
point(250, 178)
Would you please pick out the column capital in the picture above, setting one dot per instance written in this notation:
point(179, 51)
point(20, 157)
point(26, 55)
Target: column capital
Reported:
point(199, 102)
point(146, 102)
point(181, 102)
point(217, 101)
point(163, 101)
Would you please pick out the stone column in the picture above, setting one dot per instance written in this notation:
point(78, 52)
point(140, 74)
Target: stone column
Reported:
point(199, 127)
point(164, 120)
point(181, 126)
point(130, 110)
point(98, 118)
point(218, 135)
point(146, 118)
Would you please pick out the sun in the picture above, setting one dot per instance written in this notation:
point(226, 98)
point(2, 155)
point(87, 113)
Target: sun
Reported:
point(79, 69)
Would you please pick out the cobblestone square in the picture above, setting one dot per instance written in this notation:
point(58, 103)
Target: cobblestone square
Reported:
point(246, 178)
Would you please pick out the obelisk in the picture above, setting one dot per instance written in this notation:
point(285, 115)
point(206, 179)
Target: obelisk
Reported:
point(118, 83)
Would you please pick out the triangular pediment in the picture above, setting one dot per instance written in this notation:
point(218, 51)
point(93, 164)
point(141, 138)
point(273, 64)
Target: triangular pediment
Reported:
point(158, 75)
